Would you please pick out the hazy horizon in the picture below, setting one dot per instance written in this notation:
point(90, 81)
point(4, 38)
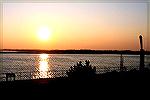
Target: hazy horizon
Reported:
point(63, 26)
point(73, 49)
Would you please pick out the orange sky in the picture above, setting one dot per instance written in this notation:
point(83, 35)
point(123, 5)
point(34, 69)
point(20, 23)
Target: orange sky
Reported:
point(75, 25)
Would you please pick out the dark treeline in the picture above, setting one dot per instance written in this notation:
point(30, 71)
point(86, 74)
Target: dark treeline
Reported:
point(72, 51)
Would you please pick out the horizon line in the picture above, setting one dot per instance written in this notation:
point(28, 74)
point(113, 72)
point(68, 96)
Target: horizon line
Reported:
point(73, 49)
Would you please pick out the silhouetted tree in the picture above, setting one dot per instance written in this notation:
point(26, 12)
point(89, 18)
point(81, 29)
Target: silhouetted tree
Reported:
point(81, 71)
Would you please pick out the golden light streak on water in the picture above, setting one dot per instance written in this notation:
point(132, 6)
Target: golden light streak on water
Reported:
point(44, 68)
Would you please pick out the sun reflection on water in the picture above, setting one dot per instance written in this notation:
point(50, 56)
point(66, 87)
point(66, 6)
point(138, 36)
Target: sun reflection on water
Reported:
point(44, 69)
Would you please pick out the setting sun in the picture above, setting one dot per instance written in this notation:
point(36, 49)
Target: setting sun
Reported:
point(44, 33)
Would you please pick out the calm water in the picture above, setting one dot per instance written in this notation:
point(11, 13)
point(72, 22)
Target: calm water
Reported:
point(31, 66)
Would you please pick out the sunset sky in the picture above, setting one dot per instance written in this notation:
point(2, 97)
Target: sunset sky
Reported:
point(102, 26)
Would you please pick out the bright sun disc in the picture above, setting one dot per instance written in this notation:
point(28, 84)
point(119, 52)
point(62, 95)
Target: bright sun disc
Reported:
point(44, 33)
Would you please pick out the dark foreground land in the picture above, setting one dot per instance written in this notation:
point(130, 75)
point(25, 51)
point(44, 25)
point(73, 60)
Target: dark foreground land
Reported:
point(124, 84)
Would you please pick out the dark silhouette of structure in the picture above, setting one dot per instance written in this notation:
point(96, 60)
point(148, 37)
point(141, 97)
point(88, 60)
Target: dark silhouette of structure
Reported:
point(141, 53)
point(10, 76)
point(122, 68)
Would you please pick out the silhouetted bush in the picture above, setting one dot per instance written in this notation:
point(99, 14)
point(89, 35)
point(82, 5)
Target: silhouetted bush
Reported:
point(81, 71)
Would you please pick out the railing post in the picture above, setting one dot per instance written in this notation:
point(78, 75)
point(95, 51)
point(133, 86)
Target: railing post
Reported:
point(121, 61)
point(141, 59)
point(122, 68)
point(141, 54)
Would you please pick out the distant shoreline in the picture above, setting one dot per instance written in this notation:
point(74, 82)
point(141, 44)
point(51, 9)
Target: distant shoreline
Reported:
point(14, 51)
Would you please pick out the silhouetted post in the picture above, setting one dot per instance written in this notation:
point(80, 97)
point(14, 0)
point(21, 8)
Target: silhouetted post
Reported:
point(122, 68)
point(141, 53)
point(121, 62)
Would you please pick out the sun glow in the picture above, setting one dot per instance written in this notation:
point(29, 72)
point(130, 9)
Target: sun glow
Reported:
point(44, 33)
